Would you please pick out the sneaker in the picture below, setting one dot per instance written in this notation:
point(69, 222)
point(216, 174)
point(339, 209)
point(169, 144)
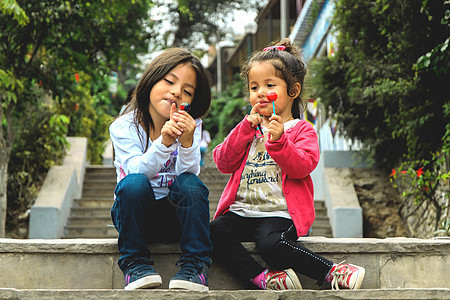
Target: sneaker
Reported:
point(347, 276)
point(192, 276)
point(139, 274)
point(282, 280)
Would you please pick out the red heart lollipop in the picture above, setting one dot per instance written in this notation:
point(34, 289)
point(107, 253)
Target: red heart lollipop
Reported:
point(271, 96)
point(185, 106)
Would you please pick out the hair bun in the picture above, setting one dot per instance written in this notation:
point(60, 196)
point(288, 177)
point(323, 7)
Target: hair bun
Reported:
point(289, 47)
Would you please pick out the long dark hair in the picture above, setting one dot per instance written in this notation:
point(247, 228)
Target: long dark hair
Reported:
point(155, 72)
point(288, 65)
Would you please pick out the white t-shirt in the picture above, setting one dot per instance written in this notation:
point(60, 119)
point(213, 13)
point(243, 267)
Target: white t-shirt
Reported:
point(206, 139)
point(160, 164)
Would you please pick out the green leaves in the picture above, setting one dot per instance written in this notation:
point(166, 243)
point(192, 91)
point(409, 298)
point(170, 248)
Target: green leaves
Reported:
point(10, 87)
point(226, 111)
point(385, 82)
point(10, 7)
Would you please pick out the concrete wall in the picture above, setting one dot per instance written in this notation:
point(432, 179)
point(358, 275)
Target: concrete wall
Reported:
point(92, 264)
point(332, 184)
point(62, 185)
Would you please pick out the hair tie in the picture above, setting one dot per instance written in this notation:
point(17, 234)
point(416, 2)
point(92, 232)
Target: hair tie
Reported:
point(281, 48)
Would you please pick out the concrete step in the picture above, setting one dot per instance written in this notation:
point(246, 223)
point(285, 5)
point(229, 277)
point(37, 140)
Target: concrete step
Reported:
point(106, 202)
point(100, 171)
point(321, 231)
point(90, 221)
point(90, 212)
point(93, 231)
point(98, 190)
point(108, 183)
point(163, 294)
point(392, 265)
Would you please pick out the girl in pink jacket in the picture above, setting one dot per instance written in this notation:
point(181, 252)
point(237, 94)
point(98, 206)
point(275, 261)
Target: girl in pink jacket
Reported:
point(269, 198)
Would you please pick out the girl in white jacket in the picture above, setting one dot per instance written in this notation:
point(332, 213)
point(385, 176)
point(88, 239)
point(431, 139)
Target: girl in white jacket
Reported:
point(158, 197)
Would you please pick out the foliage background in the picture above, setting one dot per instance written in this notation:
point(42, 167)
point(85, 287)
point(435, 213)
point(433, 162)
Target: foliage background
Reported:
point(227, 110)
point(61, 55)
point(388, 81)
point(388, 86)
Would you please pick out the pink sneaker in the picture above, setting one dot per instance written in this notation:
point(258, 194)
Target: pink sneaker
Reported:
point(283, 280)
point(347, 276)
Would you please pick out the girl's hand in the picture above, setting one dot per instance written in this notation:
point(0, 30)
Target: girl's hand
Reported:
point(171, 130)
point(254, 117)
point(276, 127)
point(187, 125)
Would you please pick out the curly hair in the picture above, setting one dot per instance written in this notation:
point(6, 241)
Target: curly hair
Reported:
point(288, 64)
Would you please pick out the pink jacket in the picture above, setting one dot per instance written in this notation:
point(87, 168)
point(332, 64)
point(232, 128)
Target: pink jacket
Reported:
point(297, 154)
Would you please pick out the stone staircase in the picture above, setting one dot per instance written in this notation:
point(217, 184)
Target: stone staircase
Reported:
point(83, 265)
point(90, 215)
point(396, 268)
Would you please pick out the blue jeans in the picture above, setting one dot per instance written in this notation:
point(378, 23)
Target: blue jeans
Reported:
point(182, 216)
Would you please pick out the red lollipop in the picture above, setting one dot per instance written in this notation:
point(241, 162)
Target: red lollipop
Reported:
point(185, 106)
point(272, 96)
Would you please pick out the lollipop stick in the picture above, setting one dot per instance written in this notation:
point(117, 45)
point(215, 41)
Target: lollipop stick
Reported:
point(272, 96)
point(260, 130)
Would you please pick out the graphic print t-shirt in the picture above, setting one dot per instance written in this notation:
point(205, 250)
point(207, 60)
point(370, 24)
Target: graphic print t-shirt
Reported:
point(260, 191)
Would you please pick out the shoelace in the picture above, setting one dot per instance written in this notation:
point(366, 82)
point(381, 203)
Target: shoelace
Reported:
point(340, 278)
point(274, 280)
point(188, 267)
point(139, 265)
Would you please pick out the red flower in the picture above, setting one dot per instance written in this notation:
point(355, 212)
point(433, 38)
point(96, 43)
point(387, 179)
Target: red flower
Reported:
point(403, 172)
point(77, 77)
point(419, 172)
point(393, 173)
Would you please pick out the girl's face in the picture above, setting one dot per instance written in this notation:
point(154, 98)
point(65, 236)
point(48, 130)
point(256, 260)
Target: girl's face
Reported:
point(178, 86)
point(262, 79)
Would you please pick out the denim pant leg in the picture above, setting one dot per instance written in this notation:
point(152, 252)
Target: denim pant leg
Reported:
point(130, 212)
point(190, 196)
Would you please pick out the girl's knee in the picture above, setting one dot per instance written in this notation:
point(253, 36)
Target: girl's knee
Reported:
point(268, 248)
point(215, 229)
point(134, 186)
point(189, 183)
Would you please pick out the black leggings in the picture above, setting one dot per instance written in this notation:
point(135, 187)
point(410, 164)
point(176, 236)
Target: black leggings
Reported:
point(275, 240)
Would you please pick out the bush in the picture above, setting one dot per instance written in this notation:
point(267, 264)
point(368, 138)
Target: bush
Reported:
point(40, 143)
point(88, 115)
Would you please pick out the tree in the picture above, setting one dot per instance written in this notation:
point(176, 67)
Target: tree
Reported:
point(194, 23)
point(10, 86)
point(44, 43)
point(373, 85)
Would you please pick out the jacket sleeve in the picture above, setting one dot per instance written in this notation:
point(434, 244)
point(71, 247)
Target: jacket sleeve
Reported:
point(228, 155)
point(131, 158)
point(296, 151)
point(129, 151)
point(189, 158)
